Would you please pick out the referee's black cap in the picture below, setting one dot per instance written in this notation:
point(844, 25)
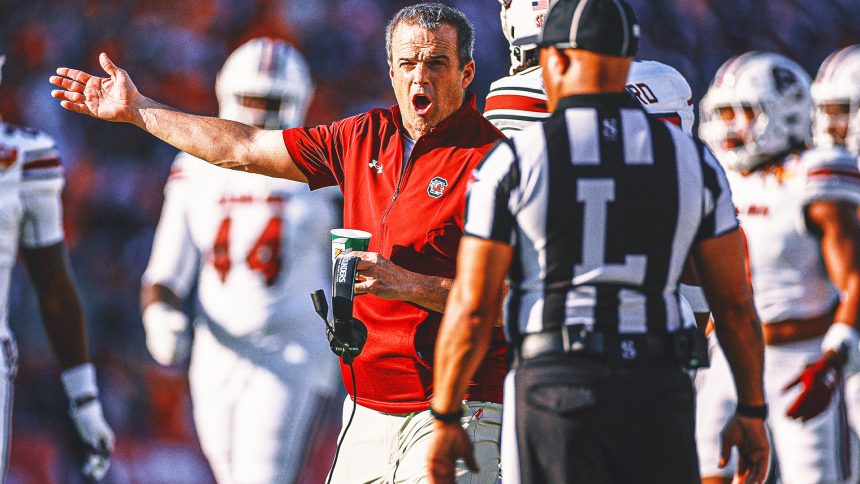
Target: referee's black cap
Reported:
point(604, 26)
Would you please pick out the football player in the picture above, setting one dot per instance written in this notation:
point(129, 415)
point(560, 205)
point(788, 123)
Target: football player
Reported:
point(798, 210)
point(256, 248)
point(31, 181)
point(836, 124)
point(519, 99)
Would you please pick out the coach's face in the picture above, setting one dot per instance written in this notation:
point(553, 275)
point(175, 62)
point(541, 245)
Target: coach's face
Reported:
point(426, 75)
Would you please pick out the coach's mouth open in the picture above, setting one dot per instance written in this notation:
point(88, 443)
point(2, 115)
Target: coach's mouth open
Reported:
point(421, 103)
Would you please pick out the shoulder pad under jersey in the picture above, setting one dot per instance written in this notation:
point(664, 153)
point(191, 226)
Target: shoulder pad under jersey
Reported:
point(830, 174)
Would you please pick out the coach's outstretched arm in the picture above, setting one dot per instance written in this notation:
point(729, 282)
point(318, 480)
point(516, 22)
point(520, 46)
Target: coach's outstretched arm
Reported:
point(221, 142)
point(719, 262)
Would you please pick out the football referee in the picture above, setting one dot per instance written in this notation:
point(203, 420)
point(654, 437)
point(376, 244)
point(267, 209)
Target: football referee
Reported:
point(594, 212)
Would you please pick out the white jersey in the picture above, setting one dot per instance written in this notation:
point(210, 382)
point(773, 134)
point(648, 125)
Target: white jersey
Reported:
point(31, 180)
point(787, 271)
point(516, 101)
point(257, 247)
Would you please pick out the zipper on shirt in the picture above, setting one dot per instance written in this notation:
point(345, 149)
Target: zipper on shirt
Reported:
point(403, 175)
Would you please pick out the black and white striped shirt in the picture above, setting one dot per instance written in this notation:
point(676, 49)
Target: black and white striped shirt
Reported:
point(602, 205)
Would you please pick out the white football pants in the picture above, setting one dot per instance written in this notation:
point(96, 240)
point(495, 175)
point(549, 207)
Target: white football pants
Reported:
point(817, 451)
point(255, 414)
point(386, 448)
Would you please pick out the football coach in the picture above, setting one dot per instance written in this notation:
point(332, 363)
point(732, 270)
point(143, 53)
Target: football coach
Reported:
point(403, 172)
point(593, 213)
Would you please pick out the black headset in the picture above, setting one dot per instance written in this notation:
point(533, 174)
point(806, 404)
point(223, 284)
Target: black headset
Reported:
point(346, 334)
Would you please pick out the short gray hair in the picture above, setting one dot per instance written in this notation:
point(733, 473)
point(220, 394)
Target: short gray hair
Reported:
point(432, 16)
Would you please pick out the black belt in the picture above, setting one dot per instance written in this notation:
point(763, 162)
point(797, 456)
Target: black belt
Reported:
point(620, 348)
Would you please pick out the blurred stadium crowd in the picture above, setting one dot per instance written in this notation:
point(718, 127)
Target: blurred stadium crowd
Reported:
point(115, 173)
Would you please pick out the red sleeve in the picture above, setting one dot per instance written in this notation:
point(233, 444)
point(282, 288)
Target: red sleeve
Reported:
point(318, 151)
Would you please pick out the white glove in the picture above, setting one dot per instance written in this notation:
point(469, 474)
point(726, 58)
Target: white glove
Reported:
point(168, 335)
point(86, 411)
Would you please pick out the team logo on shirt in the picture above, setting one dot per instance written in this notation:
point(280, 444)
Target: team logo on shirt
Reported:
point(437, 187)
point(8, 155)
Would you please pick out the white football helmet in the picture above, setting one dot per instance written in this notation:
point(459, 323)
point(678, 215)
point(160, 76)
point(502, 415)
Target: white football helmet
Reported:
point(522, 18)
point(837, 86)
point(663, 92)
point(265, 83)
point(757, 108)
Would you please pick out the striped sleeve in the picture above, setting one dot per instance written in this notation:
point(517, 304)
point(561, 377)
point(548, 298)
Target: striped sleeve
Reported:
point(719, 215)
point(488, 213)
point(831, 174)
point(42, 163)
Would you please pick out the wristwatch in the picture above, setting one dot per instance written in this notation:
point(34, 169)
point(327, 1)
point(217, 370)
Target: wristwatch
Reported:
point(752, 411)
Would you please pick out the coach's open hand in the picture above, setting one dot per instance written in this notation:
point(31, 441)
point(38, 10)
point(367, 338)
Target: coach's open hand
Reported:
point(450, 443)
point(111, 98)
point(749, 436)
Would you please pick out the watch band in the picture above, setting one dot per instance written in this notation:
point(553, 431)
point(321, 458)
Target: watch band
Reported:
point(752, 411)
point(453, 417)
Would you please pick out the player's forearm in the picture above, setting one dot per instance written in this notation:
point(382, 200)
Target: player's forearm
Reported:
point(464, 338)
point(740, 336)
point(223, 143)
point(430, 292)
point(59, 303)
point(63, 319)
point(848, 311)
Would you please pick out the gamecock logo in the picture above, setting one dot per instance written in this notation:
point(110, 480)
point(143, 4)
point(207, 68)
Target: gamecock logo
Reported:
point(437, 187)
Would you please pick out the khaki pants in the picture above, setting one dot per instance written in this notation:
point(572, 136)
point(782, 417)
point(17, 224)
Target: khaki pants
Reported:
point(392, 448)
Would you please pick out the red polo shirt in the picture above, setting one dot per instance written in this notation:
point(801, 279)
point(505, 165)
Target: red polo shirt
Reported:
point(415, 213)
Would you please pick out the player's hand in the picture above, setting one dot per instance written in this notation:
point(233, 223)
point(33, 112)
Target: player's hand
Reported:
point(111, 98)
point(79, 382)
point(819, 380)
point(450, 443)
point(379, 276)
point(97, 437)
point(168, 333)
point(750, 437)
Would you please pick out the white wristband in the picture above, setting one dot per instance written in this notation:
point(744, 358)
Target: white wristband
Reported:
point(80, 382)
point(840, 337)
point(696, 297)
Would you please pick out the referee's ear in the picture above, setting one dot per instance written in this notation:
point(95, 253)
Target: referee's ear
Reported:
point(555, 60)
